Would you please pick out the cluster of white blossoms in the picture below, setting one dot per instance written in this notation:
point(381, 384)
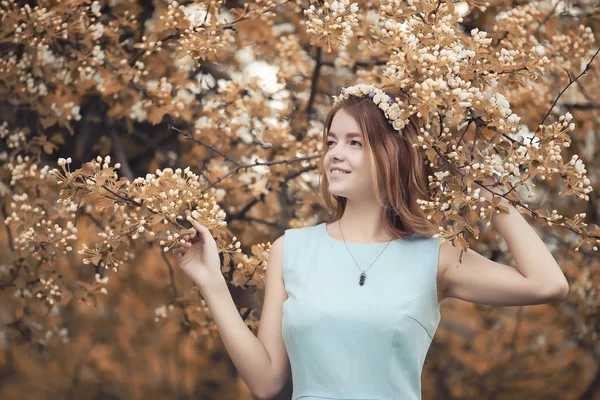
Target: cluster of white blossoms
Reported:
point(97, 30)
point(480, 37)
point(98, 56)
point(153, 201)
point(69, 110)
point(332, 22)
point(23, 168)
point(138, 110)
point(13, 139)
point(45, 236)
point(55, 333)
point(50, 292)
point(394, 109)
point(161, 312)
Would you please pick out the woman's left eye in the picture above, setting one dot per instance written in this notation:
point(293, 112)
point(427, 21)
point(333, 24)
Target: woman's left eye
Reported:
point(329, 142)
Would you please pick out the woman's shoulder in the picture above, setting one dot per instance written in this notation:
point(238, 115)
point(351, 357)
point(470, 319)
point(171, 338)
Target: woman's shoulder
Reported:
point(303, 229)
point(300, 234)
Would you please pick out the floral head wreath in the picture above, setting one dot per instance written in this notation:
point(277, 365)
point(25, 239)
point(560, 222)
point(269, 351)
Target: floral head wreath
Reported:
point(390, 107)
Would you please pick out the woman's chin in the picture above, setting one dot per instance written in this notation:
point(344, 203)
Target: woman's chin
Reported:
point(340, 193)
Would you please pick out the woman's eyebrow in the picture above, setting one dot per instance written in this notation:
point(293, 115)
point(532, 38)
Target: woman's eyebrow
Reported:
point(351, 134)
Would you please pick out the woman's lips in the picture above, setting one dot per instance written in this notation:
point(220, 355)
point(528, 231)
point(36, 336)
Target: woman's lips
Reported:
point(337, 175)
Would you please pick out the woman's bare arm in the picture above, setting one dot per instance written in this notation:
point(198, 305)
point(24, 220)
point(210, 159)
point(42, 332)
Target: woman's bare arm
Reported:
point(261, 361)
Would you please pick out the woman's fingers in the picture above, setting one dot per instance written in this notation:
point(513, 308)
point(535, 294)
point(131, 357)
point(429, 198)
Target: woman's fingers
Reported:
point(179, 251)
point(199, 228)
point(196, 225)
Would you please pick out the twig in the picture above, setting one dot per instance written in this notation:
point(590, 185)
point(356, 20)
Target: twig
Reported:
point(230, 24)
point(8, 232)
point(571, 81)
point(174, 289)
point(256, 163)
point(314, 82)
point(537, 30)
point(515, 336)
point(120, 156)
point(211, 148)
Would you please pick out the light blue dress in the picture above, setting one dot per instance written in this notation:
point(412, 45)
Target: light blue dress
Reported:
point(351, 342)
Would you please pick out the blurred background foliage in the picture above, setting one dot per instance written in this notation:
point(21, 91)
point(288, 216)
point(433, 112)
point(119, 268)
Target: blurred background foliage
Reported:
point(238, 92)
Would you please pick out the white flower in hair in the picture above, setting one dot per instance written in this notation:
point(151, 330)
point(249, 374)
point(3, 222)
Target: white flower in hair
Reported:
point(389, 106)
point(398, 124)
point(393, 112)
point(381, 98)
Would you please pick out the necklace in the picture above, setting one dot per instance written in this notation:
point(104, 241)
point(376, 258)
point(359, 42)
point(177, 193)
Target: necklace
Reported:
point(363, 274)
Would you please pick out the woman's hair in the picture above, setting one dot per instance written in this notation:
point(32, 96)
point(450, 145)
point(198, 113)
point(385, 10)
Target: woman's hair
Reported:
point(399, 170)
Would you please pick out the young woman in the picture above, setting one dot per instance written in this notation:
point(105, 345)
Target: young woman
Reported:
point(351, 306)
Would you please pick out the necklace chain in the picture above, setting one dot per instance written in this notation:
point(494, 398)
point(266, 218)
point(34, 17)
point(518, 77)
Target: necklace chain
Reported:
point(363, 275)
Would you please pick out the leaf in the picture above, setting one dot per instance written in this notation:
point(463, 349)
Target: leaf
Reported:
point(116, 110)
point(96, 258)
point(155, 116)
point(87, 169)
point(57, 138)
point(48, 121)
point(226, 259)
point(49, 147)
point(488, 133)
point(104, 203)
point(314, 39)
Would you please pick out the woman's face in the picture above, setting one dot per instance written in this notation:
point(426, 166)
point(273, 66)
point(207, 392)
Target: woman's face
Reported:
point(347, 150)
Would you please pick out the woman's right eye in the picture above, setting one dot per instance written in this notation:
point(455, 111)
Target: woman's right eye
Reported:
point(329, 143)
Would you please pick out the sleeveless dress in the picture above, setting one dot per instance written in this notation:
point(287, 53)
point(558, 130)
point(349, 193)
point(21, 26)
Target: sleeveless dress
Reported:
point(352, 342)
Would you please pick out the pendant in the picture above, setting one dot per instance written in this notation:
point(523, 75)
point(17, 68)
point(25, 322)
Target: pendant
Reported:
point(361, 281)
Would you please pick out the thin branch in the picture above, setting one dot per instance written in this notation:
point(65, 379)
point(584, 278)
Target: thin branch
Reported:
point(241, 214)
point(581, 107)
point(230, 24)
point(120, 155)
point(571, 81)
point(314, 82)
point(237, 163)
point(211, 148)
point(515, 336)
point(537, 30)
point(174, 289)
point(366, 64)
point(6, 226)
point(256, 163)
point(532, 213)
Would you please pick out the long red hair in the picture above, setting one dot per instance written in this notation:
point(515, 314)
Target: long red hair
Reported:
point(399, 169)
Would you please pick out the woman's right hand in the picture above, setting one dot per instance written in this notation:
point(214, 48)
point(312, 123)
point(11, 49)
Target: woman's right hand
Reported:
point(198, 257)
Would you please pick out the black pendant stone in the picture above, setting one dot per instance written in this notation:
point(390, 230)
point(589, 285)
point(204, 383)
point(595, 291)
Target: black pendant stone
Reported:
point(363, 276)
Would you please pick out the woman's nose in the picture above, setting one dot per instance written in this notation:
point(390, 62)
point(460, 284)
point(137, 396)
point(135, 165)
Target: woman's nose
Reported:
point(336, 152)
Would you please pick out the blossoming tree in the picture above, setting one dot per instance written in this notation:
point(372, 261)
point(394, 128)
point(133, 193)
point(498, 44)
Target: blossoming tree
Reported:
point(215, 110)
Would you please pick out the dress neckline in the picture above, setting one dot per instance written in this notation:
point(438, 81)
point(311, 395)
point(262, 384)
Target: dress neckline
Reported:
point(323, 226)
